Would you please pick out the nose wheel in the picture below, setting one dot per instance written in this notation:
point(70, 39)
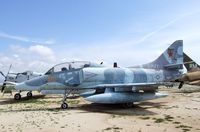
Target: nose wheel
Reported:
point(64, 105)
point(17, 96)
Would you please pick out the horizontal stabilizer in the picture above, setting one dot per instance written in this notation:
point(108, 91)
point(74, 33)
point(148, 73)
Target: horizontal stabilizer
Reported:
point(173, 66)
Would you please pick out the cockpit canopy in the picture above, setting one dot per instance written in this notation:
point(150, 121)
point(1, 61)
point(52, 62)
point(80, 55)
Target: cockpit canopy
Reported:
point(67, 66)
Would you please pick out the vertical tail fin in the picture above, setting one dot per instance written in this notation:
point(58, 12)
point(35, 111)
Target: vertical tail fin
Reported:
point(172, 58)
point(190, 64)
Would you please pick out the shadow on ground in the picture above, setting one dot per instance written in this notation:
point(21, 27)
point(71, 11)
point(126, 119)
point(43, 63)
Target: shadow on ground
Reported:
point(141, 109)
point(137, 109)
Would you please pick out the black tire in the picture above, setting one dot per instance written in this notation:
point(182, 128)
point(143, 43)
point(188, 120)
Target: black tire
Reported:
point(17, 96)
point(29, 94)
point(64, 106)
point(128, 105)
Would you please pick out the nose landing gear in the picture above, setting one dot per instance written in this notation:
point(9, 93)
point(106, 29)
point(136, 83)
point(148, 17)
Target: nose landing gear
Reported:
point(64, 105)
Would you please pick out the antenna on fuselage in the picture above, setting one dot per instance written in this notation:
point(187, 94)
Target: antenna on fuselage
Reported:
point(115, 64)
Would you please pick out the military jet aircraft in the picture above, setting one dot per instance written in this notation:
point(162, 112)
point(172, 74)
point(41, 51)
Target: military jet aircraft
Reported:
point(192, 76)
point(111, 85)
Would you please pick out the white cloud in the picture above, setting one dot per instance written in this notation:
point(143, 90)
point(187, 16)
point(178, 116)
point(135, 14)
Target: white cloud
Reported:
point(18, 48)
point(43, 51)
point(21, 65)
point(16, 56)
point(38, 58)
point(26, 39)
point(37, 52)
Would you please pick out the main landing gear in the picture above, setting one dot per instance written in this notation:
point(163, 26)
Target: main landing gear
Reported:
point(18, 96)
point(29, 94)
point(128, 105)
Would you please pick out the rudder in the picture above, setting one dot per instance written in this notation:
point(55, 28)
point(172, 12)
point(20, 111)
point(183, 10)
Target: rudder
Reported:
point(172, 58)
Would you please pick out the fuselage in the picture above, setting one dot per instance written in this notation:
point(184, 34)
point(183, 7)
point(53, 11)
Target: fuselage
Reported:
point(92, 76)
point(192, 78)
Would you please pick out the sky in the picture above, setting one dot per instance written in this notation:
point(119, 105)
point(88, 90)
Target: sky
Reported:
point(37, 34)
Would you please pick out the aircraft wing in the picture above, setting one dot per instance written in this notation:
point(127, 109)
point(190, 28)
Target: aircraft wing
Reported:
point(133, 86)
point(8, 82)
point(121, 85)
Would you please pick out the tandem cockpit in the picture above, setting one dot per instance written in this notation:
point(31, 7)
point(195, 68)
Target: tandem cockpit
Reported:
point(71, 66)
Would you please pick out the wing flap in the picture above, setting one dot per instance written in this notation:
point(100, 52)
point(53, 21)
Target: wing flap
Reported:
point(123, 85)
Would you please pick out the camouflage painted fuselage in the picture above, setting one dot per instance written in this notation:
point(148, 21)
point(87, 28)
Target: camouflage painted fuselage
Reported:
point(92, 76)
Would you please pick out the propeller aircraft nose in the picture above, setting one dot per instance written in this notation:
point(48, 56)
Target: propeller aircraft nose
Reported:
point(21, 86)
point(32, 85)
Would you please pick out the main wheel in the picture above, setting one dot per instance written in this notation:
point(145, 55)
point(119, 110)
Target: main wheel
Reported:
point(17, 96)
point(128, 105)
point(64, 106)
point(29, 94)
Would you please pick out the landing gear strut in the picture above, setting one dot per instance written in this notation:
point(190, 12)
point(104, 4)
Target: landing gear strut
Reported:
point(29, 94)
point(64, 105)
point(17, 96)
